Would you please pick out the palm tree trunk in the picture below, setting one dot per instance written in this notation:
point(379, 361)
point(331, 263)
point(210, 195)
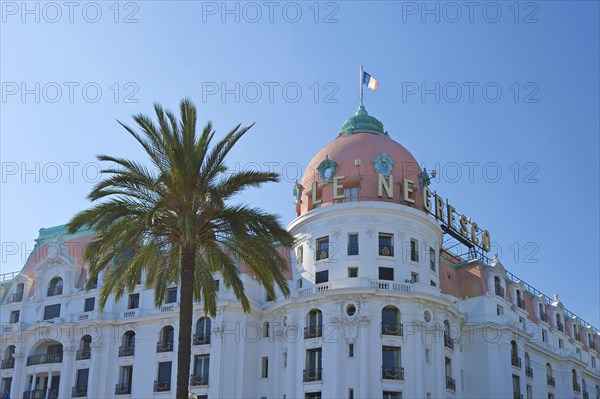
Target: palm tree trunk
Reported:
point(186, 306)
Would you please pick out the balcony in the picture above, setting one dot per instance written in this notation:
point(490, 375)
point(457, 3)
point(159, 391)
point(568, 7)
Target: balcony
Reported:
point(8, 363)
point(392, 329)
point(550, 380)
point(313, 332)
point(44, 358)
point(448, 342)
point(515, 361)
point(521, 303)
point(123, 389)
point(53, 291)
point(499, 290)
point(199, 379)
point(386, 250)
point(311, 375)
point(576, 387)
point(126, 350)
point(450, 384)
point(529, 372)
point(352, 250)
point(77, 392)
point(83, 354)
point(392, 373)
point(323, 254)
point(201, 339)
point(41, 394)
point(162, 386)
point(164, 347)
point(17, 297)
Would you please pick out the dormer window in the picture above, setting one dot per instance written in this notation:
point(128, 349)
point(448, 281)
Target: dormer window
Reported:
point(498, 287)
point(55, 287)
point(559, 324)
point(542, 313)
point(520, 301)
point(18, 295)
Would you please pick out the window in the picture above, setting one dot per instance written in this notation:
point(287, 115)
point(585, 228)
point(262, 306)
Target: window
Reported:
point(498, 287)
point(544, 335)
point(529, 391)
point(55, 287)
point(549, 377)
point(266, 329)
point(14, 316)
point(52, 311)
point(390, 357)
point(89, 304)
point(386, 273)
point(414, 277)
point(127, 347)
point(516, 385)
point(542, 313)
point(449, 276)
point(18, 295)
point(432, 259)
point(6, 384)
point(450, 382)
point(427, 355)
point(81, 381)
point(313, 365)
point(163, 381)
point(352, 244)
point(200, 372)
point(85, 348)
point(312, 395)
point(414, 250)
point(386, 244)
point(171, 296)
point(323, 248)
point(351, 194)
point(299, 283)
point(499, 310)
point(300, 254)
point(203, 331)
point(593, 361)
point(392, 395)
point(520, 301)
point(134, 301)
point(350, 393)
point(514, 354)
point(350, 350)
point(550, 395)
point(125, 380)
point(165, 343)
point(322, 277)
point(94, 282)
point(560, 325)
point(432, 283)
point(284, 359)
point(353, 272)
point(314, 324)
point(561, 343)
point(390, 321)
point(264, 367)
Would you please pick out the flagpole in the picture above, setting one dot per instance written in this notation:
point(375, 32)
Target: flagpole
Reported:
point(361, 85)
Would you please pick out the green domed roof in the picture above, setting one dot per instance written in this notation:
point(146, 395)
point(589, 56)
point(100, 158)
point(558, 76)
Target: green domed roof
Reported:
point(362, 123)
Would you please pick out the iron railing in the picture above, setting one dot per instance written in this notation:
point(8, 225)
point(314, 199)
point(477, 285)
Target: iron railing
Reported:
point(126, 350)
point(201, 339)
point(83, 354)
point(386, 250)
point(392, 329)
point(199, 379)
point(450, 384)
point(162, 386)
point(78, 392)
point(515, 361)
point(448, 342)
point(123, 389)
point(164, 346)
point(313, 374)
point(392, 373)
point(17, 297)
point(313, 332)
point(8, 363)
point(44, 358)
point(352, 250)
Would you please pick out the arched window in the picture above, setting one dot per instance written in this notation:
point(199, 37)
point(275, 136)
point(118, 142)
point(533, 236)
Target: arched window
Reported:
point(165, 340)
point(514, 354)
point(127, 344)
point(55, 287)
point(314, 324)
point(498, 287)
point(559, 323)
point(576, 387)
point(202, 336)
point(528, 369)
point(85, 348)
point(9, 358)
point(520, 302)
point(542, 313)
point(390, 321)
point(448, 341)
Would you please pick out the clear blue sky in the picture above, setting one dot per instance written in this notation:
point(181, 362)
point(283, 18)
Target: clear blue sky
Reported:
point(540, 131)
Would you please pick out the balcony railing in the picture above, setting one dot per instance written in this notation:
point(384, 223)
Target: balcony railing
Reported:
point(448, 342)
point(201, 339)
point(126, 350)
point(529, 372)
point(312, 375)
point(515, 361)
point(83, 354)
point(313, 332)
point(77, 392)
point(162, 386)
point(55, 291)
point(199, 379)
point(322, 254)
point(576, 387)
point(392, 373)
point(44, 358)
point(499, 290)
point(521, 303)
point(123, 389)
point(17, 297)
point(551, 381)
point(392, 329)
point(386, 250)
point(8, 363)
point(41, 394)
point(352, 250)
point(450, 384)
point(164, 346)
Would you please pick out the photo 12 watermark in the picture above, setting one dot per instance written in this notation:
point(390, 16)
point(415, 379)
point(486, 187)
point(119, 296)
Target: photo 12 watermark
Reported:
point(69, 92)
point(253, 12)
point(270, 92)
point(54, 12)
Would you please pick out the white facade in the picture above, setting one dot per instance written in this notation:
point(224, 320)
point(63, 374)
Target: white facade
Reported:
point(371, 315)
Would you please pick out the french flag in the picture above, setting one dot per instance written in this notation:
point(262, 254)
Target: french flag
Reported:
point(370, 81)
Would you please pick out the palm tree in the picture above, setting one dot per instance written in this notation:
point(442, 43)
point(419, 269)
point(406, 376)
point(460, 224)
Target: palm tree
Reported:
point(176, 222)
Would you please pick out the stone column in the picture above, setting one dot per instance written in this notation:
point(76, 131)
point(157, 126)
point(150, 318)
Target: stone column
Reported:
point(66, 372)
point(363, 361)
point(16, 389)
point(49, 385)
point(95, 374)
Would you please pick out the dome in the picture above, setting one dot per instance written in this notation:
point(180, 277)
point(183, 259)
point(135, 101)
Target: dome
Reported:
point(353, 163)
